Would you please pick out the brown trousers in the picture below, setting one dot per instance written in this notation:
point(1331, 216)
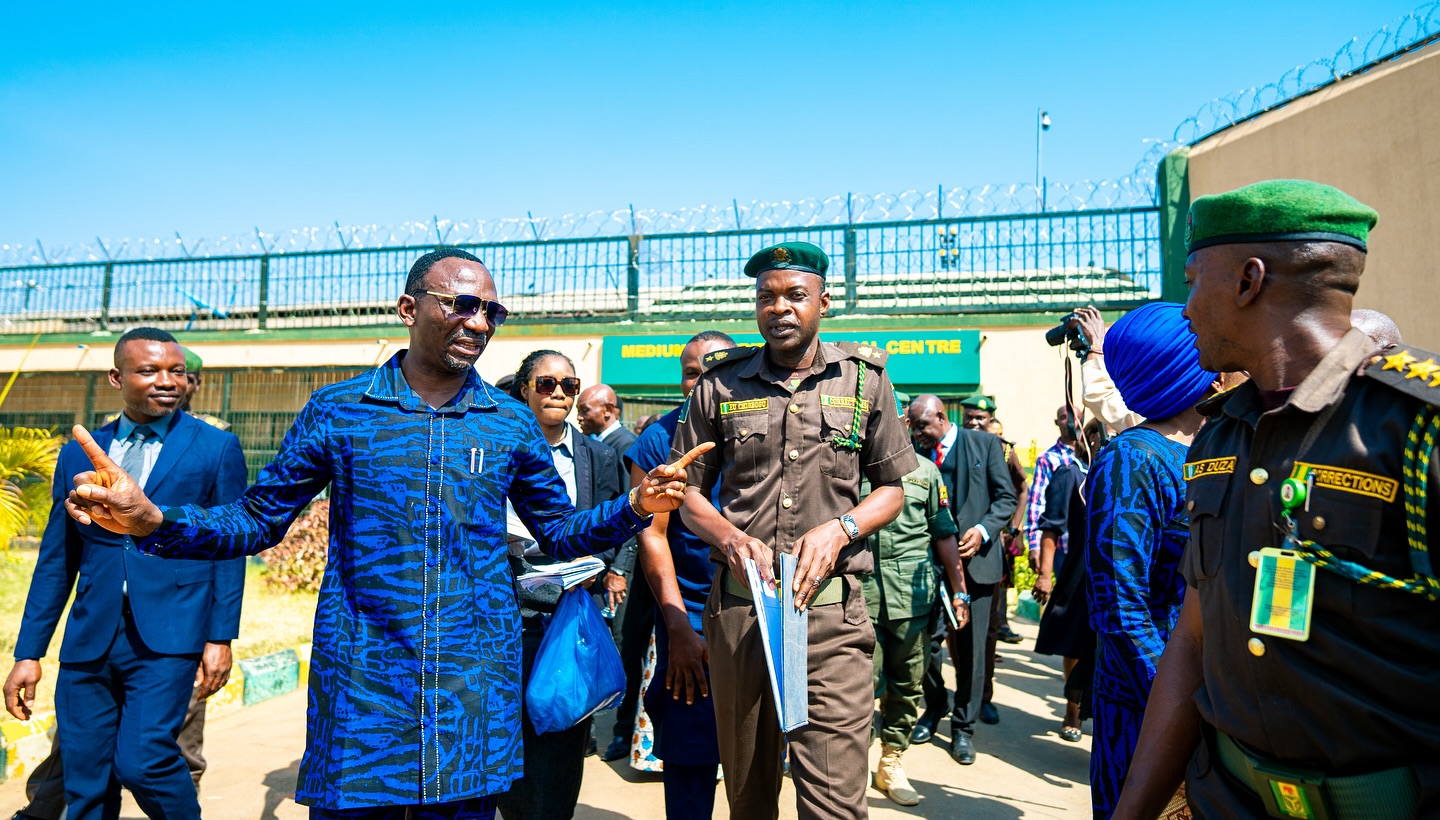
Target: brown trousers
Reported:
point(829, 757)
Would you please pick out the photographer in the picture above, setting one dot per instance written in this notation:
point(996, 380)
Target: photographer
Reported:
point(1085, 331)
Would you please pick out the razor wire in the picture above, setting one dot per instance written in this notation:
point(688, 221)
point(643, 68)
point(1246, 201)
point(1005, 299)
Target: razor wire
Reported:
point(1413, 31)
point(940, 203)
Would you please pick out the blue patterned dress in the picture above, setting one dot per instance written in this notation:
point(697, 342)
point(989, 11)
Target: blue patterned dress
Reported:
point(1138, 531)
point(415, 671)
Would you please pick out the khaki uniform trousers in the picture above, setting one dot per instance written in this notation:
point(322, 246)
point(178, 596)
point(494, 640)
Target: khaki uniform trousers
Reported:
point(829, 757)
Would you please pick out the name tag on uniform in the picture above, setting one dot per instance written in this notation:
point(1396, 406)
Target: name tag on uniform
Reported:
point(750, 406)
point(1284, 595)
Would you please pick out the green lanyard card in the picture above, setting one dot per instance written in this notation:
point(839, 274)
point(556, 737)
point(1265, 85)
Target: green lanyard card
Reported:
point(1284, 595)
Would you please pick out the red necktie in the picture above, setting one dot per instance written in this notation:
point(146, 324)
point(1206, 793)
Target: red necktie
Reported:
point(939, 454)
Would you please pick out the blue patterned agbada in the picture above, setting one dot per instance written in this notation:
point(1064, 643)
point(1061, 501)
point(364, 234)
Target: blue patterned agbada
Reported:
point(415, 672)
point(1138, 530)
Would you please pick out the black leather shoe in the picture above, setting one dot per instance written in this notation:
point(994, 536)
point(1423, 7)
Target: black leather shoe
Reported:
point(989, 714)
point(1008, 635)
point(962, 748)
point(923, 731)
point(618, 748)
point(591, 749)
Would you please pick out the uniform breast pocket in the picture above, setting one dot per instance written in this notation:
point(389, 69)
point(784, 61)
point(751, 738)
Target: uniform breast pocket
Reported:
point(838, 462)
point(1350, 529)
point(1207, 538)
point(745, 436)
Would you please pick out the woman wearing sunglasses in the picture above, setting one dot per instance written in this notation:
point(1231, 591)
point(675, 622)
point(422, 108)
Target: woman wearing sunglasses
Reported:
point(554, 761)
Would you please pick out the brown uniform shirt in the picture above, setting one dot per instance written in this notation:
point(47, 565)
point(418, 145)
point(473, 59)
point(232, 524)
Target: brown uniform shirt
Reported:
point(1359, 695)
point(780, 476)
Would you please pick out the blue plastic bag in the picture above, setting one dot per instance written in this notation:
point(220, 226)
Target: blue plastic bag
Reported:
point(577, 671)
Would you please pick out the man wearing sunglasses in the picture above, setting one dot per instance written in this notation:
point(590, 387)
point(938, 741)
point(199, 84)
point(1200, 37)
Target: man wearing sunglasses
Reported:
point(796, 423)
point(415, 676)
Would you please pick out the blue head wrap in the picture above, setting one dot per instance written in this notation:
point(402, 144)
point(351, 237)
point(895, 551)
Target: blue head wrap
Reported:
point(1151, 355)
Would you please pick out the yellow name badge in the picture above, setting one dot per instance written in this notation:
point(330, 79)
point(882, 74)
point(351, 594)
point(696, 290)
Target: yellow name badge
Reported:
point(1210, 466)
point(1284, 595)
point(750, 406)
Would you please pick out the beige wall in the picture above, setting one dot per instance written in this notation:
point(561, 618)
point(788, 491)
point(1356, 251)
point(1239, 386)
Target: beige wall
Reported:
point(1377, 137)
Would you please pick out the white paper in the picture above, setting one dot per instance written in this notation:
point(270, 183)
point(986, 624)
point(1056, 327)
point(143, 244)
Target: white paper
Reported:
point(569, 574)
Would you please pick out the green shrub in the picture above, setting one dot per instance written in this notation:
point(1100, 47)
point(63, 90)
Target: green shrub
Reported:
point(297, 563)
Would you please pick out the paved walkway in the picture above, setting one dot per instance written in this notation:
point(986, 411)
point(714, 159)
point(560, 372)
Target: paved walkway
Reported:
point(1023, 770)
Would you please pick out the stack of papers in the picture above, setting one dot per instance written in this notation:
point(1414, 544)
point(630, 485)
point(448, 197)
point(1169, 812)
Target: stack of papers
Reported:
point(784, 632)
point(567, 575)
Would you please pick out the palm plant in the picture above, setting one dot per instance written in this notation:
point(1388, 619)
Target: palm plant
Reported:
point(27, 465)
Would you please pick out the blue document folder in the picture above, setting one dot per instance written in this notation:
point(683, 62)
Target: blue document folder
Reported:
point(784, 633)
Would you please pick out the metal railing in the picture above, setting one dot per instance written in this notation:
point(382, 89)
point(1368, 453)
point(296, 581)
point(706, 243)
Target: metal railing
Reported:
point(1018, 262)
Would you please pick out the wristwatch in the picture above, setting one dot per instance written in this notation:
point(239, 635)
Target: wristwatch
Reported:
point(847, 522)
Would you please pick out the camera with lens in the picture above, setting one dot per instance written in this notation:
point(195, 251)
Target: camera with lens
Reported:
point(1069, 330)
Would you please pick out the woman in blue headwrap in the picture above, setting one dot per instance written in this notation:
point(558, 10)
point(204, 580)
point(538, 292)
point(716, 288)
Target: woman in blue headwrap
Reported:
point(1138, 529)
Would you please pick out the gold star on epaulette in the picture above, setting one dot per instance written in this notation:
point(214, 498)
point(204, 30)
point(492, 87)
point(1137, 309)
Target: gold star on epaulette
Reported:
point(1435, 382)
point(1423, 370)
point(1399, 361)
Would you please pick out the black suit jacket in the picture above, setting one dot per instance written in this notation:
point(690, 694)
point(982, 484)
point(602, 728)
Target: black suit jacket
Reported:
point(598, 478)
point(620, 441)
point(981, 492)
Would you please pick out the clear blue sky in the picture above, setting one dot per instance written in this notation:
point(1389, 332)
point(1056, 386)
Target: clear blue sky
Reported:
point(209, 119)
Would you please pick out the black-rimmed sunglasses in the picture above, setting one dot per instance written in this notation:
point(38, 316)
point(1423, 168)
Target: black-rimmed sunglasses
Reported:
point(466, 306)
point(546, 385)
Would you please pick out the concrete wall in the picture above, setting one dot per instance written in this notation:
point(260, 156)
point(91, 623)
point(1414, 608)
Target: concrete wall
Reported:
point(1377, 137)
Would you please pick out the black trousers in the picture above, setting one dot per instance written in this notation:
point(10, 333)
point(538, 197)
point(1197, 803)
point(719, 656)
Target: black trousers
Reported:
point(967, 653)
point(554, 761)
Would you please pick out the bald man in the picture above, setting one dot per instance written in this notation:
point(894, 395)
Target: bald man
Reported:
point(598, 411)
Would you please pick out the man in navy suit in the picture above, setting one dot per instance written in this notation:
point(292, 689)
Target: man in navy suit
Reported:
point(982, 499)
point(143, 632)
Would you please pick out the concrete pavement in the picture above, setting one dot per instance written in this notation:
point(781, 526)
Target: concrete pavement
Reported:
point(1024, 769)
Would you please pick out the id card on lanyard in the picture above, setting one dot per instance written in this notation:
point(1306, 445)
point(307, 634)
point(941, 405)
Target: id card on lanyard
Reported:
point(1284, 596)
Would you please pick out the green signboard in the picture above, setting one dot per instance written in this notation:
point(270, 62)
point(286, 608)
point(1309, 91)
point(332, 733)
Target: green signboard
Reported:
point(930, 359)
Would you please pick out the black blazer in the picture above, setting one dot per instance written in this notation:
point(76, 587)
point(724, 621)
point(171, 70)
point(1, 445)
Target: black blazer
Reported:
point(598, 478)
point(981, 493)
point(620, 441)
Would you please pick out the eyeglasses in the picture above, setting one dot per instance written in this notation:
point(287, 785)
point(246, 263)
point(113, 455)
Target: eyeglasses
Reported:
point(547, 384)
point(466, 306)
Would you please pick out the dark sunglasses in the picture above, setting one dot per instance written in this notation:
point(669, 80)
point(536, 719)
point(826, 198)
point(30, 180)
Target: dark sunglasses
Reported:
point(466, 306)
point(545, 385)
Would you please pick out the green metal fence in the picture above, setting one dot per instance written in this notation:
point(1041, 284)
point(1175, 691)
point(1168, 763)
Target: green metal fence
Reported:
point(1021, 262)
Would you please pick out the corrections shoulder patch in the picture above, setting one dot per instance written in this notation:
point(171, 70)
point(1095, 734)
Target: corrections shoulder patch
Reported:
point(867, 353)
point(1410, 370)
point(729, 355)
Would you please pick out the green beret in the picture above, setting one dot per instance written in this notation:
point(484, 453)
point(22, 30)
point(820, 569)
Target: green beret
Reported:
point(979, 402)
point(789, 256)
point(1279, 210)
point(193, 364)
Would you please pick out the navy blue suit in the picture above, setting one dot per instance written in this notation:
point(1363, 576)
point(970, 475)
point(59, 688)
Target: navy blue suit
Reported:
point(127, 662)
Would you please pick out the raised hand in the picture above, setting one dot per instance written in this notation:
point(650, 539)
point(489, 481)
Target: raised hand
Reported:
point(108, 496)
point(663, 489)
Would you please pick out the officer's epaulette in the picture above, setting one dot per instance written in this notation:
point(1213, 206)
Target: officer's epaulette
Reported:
point(214, 421)
point(867, 353)
point(1410, 370)
point(729, 355)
